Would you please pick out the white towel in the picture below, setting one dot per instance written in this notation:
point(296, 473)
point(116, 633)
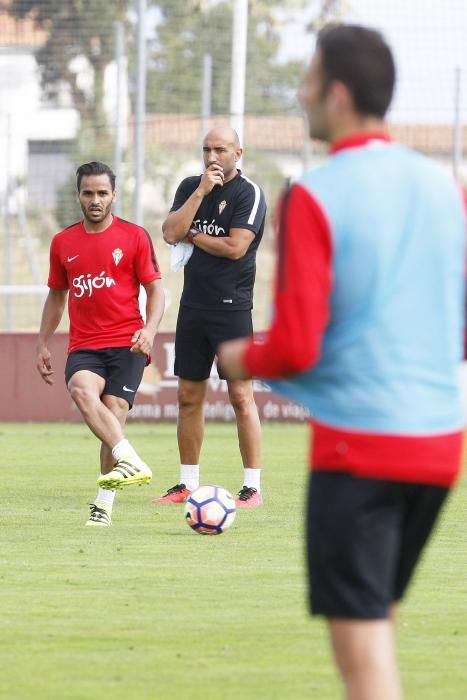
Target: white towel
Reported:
point(180, 254)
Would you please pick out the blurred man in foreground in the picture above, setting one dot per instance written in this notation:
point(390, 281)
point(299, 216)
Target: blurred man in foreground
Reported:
point(367, 333)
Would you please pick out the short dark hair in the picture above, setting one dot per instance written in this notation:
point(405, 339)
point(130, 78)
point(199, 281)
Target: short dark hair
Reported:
point(95, 167)
point(360, 58)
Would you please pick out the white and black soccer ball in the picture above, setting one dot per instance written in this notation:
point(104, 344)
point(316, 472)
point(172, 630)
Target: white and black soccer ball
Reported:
point(210, 510)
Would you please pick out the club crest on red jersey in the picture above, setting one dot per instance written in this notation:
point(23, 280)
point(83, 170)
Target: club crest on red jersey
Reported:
point(117, 255)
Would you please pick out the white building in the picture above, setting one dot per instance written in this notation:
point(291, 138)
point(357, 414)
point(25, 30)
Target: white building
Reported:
point(35, 138)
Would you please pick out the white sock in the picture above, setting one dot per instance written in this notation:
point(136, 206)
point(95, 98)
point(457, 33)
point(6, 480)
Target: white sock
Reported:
point(121, 449)
point(252, 478)
point(125, 449)
point(189, 475)
point(105, 497)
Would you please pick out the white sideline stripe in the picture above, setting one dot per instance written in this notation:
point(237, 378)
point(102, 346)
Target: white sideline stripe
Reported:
point(256, 202)
point(10, 289)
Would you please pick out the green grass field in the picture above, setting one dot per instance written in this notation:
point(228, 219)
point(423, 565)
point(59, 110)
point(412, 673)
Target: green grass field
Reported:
point(148, 609)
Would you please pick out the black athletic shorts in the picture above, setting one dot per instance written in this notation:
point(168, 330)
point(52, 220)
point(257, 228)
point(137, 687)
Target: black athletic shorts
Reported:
point(198, 335)
point(364, 538)
point(121, 369)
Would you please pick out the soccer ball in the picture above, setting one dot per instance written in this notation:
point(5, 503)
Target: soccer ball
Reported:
point(210, 510)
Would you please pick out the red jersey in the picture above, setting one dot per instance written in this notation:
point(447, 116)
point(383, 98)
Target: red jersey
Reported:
point(103, 273)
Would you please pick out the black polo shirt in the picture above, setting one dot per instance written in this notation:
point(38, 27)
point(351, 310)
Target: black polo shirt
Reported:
point(212, 282)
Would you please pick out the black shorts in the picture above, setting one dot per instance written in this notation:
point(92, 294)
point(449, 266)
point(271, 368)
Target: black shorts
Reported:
point(121, 369)
point(198, 335)
point(364, 538)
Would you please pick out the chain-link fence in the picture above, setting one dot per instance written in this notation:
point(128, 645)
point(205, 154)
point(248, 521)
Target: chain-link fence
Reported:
point(70, 86)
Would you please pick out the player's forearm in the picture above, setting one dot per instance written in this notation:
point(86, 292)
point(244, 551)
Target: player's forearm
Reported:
point(155, 306)
point(48, 327)
point(178, 223)
point(222, 247)
point(51, 316)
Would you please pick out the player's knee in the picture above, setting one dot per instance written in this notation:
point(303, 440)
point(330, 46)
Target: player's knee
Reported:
point(117, 405)
point(241, 402)
point(81, 395)
point(189, 397)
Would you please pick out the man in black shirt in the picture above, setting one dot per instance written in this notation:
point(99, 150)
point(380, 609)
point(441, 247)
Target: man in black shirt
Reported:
point(222, 214)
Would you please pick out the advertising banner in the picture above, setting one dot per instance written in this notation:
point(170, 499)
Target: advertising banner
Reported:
point(25, 396)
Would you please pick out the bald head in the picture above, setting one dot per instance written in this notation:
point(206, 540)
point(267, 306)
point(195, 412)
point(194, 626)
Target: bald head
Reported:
point(223, 133)
point(221, 147)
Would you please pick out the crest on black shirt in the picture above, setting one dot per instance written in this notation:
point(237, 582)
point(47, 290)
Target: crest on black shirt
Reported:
point(222, 206)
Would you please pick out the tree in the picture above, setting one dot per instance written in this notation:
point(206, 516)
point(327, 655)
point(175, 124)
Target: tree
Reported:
point(76, 28)
point(190, 29)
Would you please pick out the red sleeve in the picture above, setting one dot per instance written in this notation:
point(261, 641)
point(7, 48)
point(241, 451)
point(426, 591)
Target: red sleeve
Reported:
point(302, 290)
point(58, 278)
point(147, 267)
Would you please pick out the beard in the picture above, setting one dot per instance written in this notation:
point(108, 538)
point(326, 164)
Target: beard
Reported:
point(96, 216)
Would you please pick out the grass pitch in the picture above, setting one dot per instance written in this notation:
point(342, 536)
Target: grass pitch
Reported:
point(148, 609)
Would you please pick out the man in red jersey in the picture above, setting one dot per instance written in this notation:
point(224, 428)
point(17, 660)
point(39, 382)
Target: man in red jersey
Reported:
point(100, 264)
point(367, 334)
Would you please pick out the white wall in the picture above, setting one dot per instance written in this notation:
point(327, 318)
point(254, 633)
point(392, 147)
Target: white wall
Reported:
point(19, 103)
point(22, 116)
